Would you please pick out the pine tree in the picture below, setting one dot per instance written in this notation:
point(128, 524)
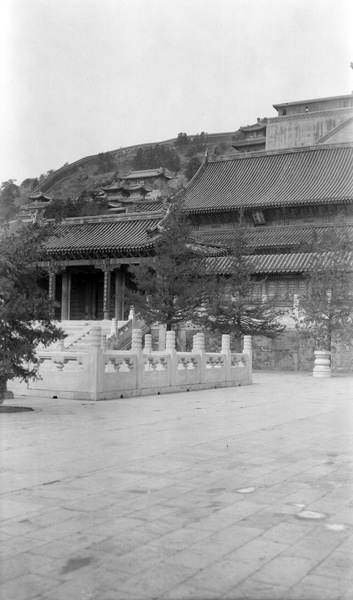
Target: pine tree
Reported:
point(25, 309)
point(170, 286)
point(233, 305)
point(326, 310)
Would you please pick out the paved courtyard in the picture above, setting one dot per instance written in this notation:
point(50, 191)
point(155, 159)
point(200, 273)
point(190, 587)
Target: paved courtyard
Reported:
point(238, 493)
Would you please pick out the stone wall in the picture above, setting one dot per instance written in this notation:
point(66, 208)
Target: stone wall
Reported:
point(289, 352)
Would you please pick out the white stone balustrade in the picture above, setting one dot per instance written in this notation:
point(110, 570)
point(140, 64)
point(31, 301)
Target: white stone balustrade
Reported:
point(100, 374)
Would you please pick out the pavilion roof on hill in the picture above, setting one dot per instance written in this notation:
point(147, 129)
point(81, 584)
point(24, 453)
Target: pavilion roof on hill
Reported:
point(286, 178)
point(148, 173)
point(39, 197)
point(259, 126)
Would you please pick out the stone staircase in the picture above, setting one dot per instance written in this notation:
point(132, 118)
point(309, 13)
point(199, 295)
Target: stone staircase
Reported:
point(334, 131)
point(78, 334)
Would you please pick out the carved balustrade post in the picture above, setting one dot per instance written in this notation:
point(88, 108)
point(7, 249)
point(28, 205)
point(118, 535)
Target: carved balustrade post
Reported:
point(228, 356)
point(170, 349)
point(148, 344)
point(132, 317)
point(95, 370)
point(136, 348)
point(199, 348)
point(247, 349)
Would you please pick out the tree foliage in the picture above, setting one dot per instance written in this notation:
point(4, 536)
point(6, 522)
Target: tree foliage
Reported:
point(9, 193)
point(233, 305)
point(192, 167)
point(170, 286)
point(325, 313)
point(199, 141)
point(182, 140)
point(106, 162)
point(86, 204)
point(156, 156)
point(25, 309)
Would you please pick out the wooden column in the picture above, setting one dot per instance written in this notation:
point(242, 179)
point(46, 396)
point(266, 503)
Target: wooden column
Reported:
point(65, 295)
point(119, 293)
point(106, 293)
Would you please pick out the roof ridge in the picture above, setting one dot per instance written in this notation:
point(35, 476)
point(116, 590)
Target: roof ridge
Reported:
point(294, 150)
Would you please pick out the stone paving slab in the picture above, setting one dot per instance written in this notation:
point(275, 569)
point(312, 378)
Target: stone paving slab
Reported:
point(237, 493)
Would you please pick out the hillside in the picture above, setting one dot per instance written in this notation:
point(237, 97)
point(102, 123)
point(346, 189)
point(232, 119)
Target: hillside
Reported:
point(92, 172)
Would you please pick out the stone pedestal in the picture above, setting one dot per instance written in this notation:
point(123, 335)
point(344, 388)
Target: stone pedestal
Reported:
point(322, 366)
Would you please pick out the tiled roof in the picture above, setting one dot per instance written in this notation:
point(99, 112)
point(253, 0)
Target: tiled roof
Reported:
point(250, 142)
point(147, 173)
point(148, 206)
point(40, 196)
point(277, 263)
point(255, 127)
point(114, 187)
point(311, 100)
point(312, 175)
point(138, 186)
point(331, 113)
point(107, 238)
point(272, 237)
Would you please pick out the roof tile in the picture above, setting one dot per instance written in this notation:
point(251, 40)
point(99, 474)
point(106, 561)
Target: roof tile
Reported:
point(109, 238)
point(264, 179)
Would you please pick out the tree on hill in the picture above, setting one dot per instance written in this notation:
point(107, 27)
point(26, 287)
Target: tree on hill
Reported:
point(192, 167)
point(182, 139)
point(9, 193)
point(86, 204)
point(25, 309)
point(200, 141)
point(106, 162)
point(30, 183)
point(234, 304)
point(170, 287)
point(154, 157)
point(325, 314)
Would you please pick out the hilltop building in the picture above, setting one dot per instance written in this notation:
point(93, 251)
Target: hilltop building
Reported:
point(298, 124)
point(251, 138)
point(35, 209)
point(137, 187)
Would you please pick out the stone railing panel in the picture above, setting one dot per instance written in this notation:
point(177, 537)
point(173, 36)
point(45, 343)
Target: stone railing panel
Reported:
point(215, 370)
point(188, 369)
point(120, 371)
point(156, 371)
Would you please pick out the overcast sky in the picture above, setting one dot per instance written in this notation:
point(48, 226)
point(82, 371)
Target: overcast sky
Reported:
point(80, 77)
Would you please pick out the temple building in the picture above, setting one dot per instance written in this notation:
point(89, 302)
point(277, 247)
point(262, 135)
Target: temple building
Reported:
point(283, 202)
point(285, 196)
point(89, 259)
point(136, 188)
point(35, 209)
point(251, 137)
point(311, 122)
point(298, 124)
